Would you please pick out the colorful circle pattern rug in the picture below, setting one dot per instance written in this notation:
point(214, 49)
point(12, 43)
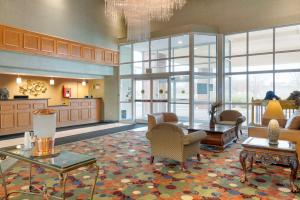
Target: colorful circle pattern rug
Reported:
point(125, 174)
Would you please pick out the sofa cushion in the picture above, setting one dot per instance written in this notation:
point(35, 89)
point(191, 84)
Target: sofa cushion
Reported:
point(294, 121)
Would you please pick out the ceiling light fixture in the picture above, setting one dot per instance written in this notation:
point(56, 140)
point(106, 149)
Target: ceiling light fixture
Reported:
point(139, 13)
point(83, 83)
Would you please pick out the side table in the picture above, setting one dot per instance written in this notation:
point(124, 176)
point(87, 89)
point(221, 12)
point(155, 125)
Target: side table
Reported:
point(259, 149)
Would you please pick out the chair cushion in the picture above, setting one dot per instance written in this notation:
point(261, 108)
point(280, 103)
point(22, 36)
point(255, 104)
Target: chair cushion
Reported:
point(294, 121)
point(194, 137)
point(227, 122)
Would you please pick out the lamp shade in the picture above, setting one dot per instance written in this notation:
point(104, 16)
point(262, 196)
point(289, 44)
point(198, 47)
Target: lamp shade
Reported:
point(273, 111)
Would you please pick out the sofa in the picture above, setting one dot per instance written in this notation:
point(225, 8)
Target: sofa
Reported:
point(168, 140)
point(291, 132)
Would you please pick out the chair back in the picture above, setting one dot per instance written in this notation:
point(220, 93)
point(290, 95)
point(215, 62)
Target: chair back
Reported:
point(166, 138)
point(229, 115)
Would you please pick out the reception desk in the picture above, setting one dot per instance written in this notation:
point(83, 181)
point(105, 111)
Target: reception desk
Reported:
point(16, 115)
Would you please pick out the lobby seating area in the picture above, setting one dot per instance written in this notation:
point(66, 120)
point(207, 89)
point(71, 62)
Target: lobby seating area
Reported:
point(150, 99)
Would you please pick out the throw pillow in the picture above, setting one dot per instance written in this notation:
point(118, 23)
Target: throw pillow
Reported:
point(294, 121)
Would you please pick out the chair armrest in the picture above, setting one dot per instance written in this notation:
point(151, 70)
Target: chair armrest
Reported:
point(240, 120)
point(194, 137)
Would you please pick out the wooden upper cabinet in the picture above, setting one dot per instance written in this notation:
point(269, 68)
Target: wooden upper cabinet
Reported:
point(31, 41)
point(12, 38)
point(88, 53)
point(48, 45)
point(15, 39)
point(62, 48)
point(1, 35)
point(116, 59)
point(75, 50)
point(109, 57)
point(99, 55)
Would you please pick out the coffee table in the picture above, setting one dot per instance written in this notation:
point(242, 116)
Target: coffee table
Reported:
point(220, 136)
point(259, 149)
point(62, 163)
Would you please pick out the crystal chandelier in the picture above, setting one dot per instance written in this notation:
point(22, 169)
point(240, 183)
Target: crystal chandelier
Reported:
point(139, 13)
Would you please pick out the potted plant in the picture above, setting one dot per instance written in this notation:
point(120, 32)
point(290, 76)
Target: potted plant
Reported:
point(212, 111)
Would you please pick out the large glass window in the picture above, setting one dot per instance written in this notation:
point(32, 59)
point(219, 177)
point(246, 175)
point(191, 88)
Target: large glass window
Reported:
point(259, 61)
point(160, 77)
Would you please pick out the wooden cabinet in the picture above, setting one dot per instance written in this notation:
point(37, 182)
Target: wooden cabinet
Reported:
point(1, 36)
point(48, 45)
point(16, 115)
point(31, 42)
point(62, 48)
point(15, 39)
point(12, 38)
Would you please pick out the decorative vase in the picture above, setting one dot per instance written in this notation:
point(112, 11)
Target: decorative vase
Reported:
point(212, 122)
point(273, 132)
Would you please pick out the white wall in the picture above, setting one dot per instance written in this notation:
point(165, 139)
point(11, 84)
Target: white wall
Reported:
point(230, 16)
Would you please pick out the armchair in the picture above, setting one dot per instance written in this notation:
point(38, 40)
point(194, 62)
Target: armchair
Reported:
point(157, 118)
point(232, 117)
point(169, 141)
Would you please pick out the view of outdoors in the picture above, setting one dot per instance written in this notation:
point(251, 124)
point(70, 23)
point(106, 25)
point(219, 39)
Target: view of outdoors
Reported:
point(255, 63)
point(155, 77)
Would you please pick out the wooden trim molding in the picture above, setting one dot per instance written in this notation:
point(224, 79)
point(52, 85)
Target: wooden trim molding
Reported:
point(15, 39)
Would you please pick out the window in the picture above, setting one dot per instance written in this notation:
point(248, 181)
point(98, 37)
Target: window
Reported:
point(271, 63)
point(159, 74)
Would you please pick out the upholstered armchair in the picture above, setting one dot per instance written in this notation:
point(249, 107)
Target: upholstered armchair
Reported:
point(157, 118)
point(231, 117)
point(169, 141)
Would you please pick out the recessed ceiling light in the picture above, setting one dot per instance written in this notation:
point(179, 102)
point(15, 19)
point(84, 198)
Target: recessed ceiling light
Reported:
point(83, 83)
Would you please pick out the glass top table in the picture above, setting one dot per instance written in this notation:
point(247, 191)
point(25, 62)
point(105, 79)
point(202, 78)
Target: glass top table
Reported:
point(61, 161)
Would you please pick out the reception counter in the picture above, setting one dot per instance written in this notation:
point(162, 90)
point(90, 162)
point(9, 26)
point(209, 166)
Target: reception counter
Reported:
point(16, 114)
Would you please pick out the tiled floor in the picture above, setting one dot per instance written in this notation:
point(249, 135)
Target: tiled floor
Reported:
point(125, 174)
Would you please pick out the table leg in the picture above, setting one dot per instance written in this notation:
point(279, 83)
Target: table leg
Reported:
point(249, 168)
point(3, 183)
point(294, 167)
point(30, 179)
point(95, 181)
point(63, 180)
point(243, 157)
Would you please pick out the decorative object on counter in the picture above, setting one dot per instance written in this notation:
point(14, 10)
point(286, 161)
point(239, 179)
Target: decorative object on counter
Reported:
point(67, 92)
point(32, 87)
point(212, 112)
point(273, 132)
point(4, 93)
point(44, 127)
point(295, 95)
point(273, 111)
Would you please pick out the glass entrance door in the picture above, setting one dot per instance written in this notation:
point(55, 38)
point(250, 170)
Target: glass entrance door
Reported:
point(151, 96)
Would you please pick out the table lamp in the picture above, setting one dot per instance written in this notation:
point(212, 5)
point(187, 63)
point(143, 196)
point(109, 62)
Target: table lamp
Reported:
point(274, 111)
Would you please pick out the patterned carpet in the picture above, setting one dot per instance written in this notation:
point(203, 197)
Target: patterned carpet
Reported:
point(126, 174)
